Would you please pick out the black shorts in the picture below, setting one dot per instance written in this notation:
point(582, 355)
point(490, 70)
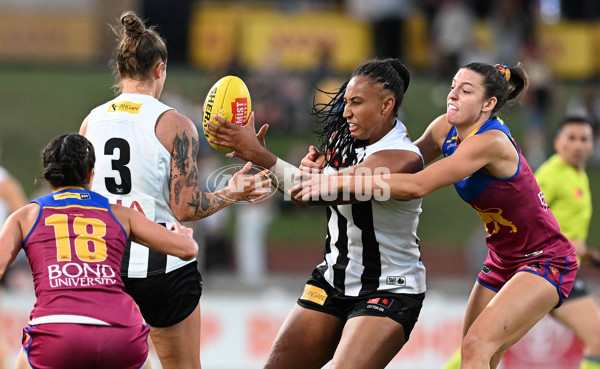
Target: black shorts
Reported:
point(167, 299)
point(403, 308)
point(579, 290)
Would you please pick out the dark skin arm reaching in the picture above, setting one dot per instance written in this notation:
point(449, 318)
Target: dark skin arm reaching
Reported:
point(246, 144)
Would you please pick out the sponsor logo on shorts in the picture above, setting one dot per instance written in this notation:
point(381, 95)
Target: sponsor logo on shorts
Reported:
point(380, 303)
point(535, 253)
point(125, 106)
point(314, 294)
point(486, 269)
point(534, 267)
point(396, 280)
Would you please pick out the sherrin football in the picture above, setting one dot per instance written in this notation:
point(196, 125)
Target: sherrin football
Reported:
point(229, 97)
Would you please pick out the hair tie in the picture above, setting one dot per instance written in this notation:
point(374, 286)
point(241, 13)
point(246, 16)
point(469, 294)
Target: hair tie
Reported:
point(504, 70)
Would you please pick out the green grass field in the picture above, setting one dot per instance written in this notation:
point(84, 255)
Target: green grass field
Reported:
point(36, 104)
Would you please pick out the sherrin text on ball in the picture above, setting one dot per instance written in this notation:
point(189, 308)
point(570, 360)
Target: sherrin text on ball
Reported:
point(230, 98)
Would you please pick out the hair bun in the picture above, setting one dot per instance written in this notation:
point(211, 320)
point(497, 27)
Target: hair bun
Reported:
point(132, 24)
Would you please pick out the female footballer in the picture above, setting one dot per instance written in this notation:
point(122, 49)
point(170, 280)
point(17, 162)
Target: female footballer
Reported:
point(368, 291)
point(531, 265)
point(74, 241)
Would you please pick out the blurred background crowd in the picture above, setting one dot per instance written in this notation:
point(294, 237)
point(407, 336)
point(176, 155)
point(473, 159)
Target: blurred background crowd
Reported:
point(54, 68)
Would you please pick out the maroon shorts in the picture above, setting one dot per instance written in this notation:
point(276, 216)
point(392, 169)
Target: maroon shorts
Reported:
point(70, 346)
point(560, 271)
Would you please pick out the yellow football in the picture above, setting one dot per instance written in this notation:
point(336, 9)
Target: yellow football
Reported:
point(230, 98)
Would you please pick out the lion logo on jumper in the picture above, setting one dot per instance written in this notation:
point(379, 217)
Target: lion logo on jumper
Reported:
point(494, 215)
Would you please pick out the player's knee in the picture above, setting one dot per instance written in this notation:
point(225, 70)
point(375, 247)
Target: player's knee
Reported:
point(472, 347)
point(467, 349)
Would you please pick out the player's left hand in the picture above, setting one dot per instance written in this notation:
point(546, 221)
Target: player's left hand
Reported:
point(246, 187)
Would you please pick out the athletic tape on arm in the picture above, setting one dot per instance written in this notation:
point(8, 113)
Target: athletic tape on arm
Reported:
point(283, 173)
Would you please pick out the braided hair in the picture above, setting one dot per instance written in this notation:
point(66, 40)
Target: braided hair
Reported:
point(67, 160)
point(335, 140)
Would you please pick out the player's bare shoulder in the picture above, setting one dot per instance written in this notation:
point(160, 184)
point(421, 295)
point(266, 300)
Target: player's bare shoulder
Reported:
point(25, 217)
point(440, 127)
point(173, 126)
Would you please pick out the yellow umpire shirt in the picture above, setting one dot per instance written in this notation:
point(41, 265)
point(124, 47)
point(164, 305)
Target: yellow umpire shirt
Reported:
point(567, 191)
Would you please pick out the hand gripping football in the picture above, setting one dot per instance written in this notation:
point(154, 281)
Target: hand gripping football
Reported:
point(229, 97)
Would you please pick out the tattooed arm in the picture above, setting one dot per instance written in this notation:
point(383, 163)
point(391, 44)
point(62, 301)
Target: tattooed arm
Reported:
point(179, 136)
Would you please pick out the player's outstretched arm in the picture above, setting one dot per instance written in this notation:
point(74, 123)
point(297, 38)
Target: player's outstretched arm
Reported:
point(431, 141)
point(140, 229)
point(246, 144)
point(179, 136)
point(472, 155)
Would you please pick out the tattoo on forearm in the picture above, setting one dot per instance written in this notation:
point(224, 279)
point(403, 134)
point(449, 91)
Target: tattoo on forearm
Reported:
point(192, 178)
point(171, 179)
point(195, 149)
point(195, 202)
point(205, 203)
point(177, 190)
point(203, 206)
point(181, 146)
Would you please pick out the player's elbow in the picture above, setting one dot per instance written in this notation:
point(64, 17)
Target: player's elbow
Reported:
point(410, 192)
point(186, 213)
point(417, 193)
